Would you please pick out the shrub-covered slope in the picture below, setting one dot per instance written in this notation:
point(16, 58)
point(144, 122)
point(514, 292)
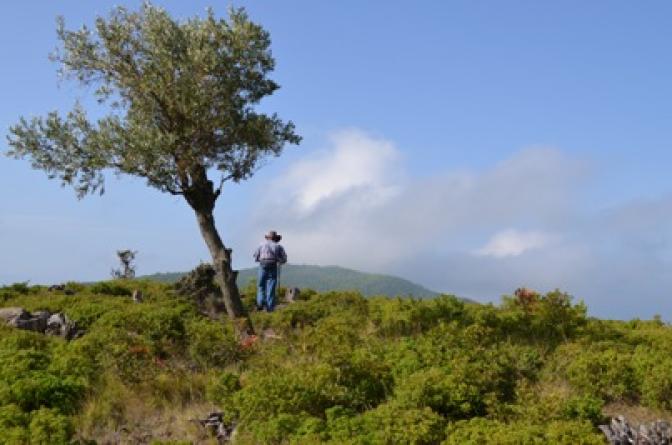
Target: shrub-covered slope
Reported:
point(338, 369)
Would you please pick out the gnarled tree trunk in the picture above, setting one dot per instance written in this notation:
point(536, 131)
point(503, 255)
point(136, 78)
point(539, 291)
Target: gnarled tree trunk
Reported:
point(221, 261)
point(201, 196)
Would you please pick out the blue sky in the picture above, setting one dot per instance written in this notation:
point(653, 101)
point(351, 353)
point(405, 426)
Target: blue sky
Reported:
point(470, 146)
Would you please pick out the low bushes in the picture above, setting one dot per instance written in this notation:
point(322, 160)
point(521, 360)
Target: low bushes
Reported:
point(336, 368)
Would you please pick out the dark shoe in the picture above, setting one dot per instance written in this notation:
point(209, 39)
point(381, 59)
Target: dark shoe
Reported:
point(260, 308)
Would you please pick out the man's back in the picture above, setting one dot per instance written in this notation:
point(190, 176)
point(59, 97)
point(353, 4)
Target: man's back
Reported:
point(270, 252)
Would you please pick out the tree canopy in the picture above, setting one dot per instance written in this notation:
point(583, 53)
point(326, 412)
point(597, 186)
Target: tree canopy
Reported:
point(181, 97)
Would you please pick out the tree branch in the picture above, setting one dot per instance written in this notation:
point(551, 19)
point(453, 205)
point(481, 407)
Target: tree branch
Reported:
point(218, 191)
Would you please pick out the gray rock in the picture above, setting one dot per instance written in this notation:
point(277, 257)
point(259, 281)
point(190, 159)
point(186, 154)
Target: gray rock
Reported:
point(216, 427)
point(60, 325)
point(619, 431)
point(199, 286)
point(22, 319)
point(7, 314)
point(137, 296)
point(42, 314)
point(292, 294)
point(41, 321)
point(36, 324)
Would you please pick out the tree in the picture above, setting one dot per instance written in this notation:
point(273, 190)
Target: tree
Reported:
point(181, 98)
point(127, 270)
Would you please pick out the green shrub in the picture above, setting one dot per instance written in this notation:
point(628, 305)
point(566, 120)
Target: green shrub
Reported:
point(406, 316)
point(13, 425)
point(450, 394)
point(49, 427)
point(221, 387)
point(604, 372)
point(27, 381)
point(112, 288)
point(285, 428)
point(390, 423)
point(41, 389)
point(584, 408)
point(548, 319)
point(303, 313)
point(386, 423)
point(73, 286)
point(309, 388)
point(161, 328)
point(655, 377)
point(15, 289)
point(484, 431)
point(212, 344)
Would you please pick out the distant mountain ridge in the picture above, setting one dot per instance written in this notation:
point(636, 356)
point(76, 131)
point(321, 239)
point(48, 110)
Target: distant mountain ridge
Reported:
point(326, 278)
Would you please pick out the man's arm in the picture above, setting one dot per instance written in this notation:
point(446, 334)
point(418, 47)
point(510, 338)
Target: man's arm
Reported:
point(282, 255)
point(256, 254)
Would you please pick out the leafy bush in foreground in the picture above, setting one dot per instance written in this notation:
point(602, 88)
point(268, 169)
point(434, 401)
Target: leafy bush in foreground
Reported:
point(338, 368)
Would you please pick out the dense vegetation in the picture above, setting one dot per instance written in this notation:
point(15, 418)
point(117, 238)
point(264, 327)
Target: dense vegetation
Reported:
point(339, 368)
point(325, 279)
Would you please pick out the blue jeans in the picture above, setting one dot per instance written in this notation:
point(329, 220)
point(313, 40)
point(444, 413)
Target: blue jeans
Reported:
point(268, 279)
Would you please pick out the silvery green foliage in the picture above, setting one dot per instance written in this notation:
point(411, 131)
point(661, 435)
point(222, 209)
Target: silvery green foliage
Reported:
point(181, 97)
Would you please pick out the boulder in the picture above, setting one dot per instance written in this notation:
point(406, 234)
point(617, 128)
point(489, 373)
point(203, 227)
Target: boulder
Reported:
point(292, 294)
point(59, 324)
point(199, 286)
point(36, 322)
point(8, 314)
point(214, 424)
point(40, 321)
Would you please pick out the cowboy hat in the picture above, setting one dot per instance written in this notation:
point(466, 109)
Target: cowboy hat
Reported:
point(273, 235)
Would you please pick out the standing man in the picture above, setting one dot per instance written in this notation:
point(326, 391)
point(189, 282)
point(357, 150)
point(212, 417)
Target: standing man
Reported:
point(269, 255)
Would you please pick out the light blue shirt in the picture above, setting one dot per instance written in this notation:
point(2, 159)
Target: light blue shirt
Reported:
point(270, 252)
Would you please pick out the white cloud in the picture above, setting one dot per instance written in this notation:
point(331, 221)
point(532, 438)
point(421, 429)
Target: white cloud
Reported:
point(354, 205)
point(512, 242)
point(355, 161)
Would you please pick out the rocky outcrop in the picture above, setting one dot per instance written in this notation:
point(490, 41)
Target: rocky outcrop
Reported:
point(217, 428)
point(57, 324)
point(8, 314)
point(620, 432)
point(199, 285)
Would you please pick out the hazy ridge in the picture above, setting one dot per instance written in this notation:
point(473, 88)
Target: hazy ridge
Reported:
point(326, 278)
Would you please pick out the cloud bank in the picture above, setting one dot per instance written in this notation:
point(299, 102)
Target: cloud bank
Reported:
point(480, 234)
point(509, 243)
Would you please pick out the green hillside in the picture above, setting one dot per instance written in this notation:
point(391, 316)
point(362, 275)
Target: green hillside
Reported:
point(335, 368)
point(327, 278)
